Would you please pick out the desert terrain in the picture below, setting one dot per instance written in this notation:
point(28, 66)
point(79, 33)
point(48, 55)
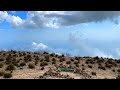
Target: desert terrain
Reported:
point(32, 65)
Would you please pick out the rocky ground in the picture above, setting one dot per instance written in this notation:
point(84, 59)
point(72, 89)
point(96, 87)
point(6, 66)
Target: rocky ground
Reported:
point(29, 65)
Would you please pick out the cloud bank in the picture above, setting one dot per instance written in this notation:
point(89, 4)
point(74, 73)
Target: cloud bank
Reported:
point(55, 19)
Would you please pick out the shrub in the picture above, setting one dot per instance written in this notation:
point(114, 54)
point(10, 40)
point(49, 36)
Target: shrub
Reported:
point(87, 61)
point(76, 62)
point(45, 53)
point(118, 70)
point(52, 54)
point(83, 68)
point(37, 58)
point(10, 67)
point(62, 55)
point(90, 66)
point(77, 58)
point(93, 73)
point(77, 65)
point(62, 59)
point(108, 65)
point(43, 63)
point(101, 67)
point(68, 62)
point(7, 75)
point(54, 62)
point(82, 64)
point(72, 60)
point(1, 65)
point(1, 59)
point(118, 77)
point(96, 57)
point(22, 64)
point(31, 66)
point(1, 73)
point(118, 61)
point(53, 59)
point(113, 70)
point(36, 62)
point(42, 68)
point(110, 61)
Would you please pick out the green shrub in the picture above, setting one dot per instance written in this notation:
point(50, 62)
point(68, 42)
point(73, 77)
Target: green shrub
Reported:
point(77, 65)
point(31, 66)
point(22, 64)
point(76, 62)
point(7, 75)
point(53, 59)
point(10, 67)
point(83, 68)
point(1, 65)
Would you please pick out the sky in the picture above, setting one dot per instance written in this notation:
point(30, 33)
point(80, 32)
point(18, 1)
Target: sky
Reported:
point(74, 33)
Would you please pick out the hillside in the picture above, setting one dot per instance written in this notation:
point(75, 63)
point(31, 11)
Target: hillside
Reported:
point(29, 65)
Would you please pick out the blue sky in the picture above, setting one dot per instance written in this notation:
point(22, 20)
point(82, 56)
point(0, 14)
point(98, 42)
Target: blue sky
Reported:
point(83, 33)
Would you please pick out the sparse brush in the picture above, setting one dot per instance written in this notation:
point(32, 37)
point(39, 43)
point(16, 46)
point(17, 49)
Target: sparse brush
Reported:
point(10, 67)
point(31, 65)
point(1, 59)
point(96, 57)
point(52, 54)
point(53, 62)
point(1, 73)
point(93, 73)
point(118, 61)
point(1, 65)
point(22, 64)
point(62, 59)
point(72, 60)
point(101, 67)
point(76, 62)
point(77, 65)
point(68, 62)
point(43, 63)
point(7, 75)
point(83, 68)
point(53, 59)
point(113, 70)
point(90, 66)
point(108, 65)
point(118, 70)
point(118, 77)
point(42, 68)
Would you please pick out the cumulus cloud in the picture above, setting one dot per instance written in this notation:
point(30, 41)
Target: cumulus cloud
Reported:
point(39, 46)
point(55, 19)
point(15, 21)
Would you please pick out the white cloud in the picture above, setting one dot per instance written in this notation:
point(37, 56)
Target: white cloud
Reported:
point(15, 21)
point(118, 51)
point(39, 46)
point(100, 53)
point(13, 12)
point(91, 51)
point(55, 19)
